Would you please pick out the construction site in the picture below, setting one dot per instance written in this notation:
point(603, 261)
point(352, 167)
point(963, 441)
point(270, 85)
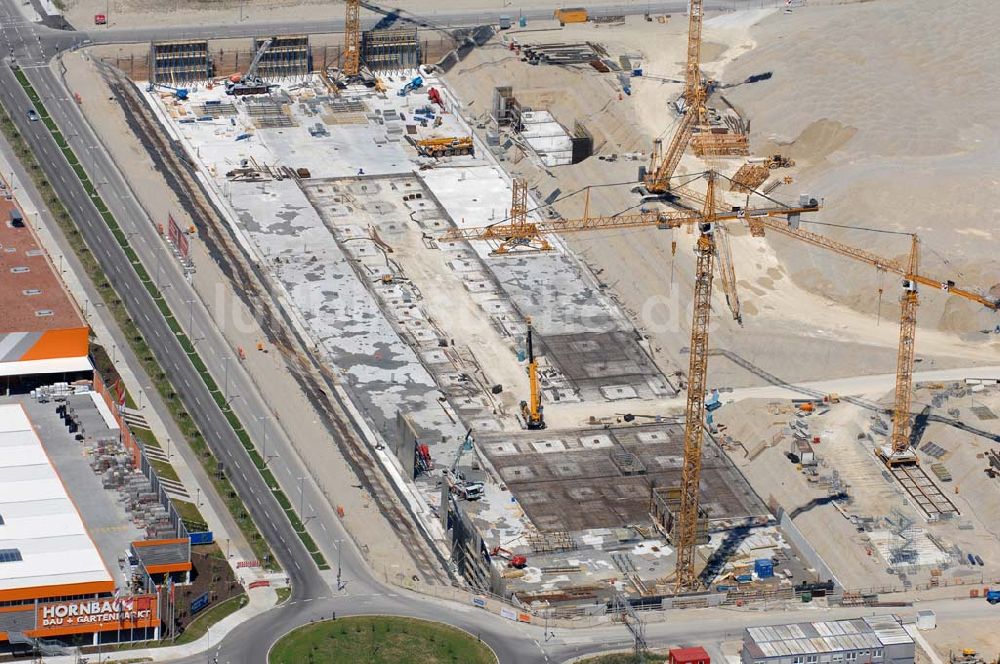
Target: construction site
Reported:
point(615, 345)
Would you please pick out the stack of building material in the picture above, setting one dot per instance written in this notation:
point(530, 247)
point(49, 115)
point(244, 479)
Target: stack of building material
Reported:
point(749, 176)
point(559, 53)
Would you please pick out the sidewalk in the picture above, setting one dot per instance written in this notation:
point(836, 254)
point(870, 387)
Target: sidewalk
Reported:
point(182, 459)
point(261, 600)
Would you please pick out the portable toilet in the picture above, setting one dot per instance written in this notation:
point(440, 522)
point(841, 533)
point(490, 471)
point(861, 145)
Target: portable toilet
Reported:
point(763, 568)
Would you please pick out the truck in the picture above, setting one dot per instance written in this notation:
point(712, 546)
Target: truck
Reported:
point(571, 15)
point(445, 147)
point(505, 23)
point(993, 596)
point(16, 218)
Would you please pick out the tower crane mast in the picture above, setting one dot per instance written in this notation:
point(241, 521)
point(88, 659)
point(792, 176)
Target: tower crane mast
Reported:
point(352, 39)
point(685, 535)
point(662, 165)
point(905, 355)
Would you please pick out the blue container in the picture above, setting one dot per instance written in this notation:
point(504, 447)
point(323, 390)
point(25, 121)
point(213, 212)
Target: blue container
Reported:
point(744, 578)
point(764, 568)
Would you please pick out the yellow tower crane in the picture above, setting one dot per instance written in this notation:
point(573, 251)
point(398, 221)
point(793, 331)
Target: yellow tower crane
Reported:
point(352, 39)
point(899, 451)
point(694, 124)
point(663, 164)
point(712, 243)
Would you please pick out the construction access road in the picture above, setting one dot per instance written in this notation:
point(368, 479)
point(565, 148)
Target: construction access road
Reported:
point(360, 592)
point(315, 595)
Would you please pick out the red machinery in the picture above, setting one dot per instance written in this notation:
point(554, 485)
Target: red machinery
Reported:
point(513, 560)
point(435, 96)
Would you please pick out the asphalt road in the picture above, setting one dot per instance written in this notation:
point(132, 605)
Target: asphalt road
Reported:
point(312, 595)
point(441, 19)
point(315, 595)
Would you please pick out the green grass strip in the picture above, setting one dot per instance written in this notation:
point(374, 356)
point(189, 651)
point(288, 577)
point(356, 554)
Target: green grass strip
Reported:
point(139, 346)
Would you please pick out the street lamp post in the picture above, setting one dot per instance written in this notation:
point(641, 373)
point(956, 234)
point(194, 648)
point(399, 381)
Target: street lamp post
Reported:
point(302, 499)
point(263, 436)
point(340, 584)
point(190, 304)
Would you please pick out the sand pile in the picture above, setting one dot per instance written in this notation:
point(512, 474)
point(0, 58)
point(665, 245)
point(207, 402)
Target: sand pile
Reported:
point(889, 110)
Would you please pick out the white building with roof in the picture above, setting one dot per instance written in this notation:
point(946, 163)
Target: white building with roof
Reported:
point(871, 640)
point(45, 550)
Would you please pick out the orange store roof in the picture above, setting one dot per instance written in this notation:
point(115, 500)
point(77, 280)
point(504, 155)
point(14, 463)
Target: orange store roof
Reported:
point(32, 296)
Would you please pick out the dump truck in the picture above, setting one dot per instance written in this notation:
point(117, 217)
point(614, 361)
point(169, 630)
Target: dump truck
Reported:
point(571, 15)
point(445, 147)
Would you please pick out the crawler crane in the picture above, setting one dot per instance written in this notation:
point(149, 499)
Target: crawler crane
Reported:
point(531, 410)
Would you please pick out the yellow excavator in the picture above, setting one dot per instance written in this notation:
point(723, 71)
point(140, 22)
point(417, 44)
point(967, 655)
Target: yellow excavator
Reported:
point(531, 410)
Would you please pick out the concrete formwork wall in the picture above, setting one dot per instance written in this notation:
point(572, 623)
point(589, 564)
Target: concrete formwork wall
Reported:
point(179, 61)
point(230, 56)
point(800, 542)
point(390, 50)
point(286, 57)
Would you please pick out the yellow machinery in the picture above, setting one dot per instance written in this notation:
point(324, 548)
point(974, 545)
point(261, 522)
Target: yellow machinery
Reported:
point(352, 39)
point(662, 164)
point(712, 244)
point(899, 452)
point(531, 410)
point(571, 15)
point(518, 232)
point(445, 147)
point(685, 532)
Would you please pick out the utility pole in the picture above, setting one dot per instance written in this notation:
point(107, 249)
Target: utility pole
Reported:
point(263, 436)
point(302, 500)
point(632, 622)
point(340, 584)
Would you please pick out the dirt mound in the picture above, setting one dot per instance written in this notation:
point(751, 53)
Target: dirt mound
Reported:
point(814, 143)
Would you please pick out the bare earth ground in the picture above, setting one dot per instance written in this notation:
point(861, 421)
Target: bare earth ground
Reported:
point(808, 315)
point(952, 636)
point(783, 320)
point(296, 416)
point(896, 131)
